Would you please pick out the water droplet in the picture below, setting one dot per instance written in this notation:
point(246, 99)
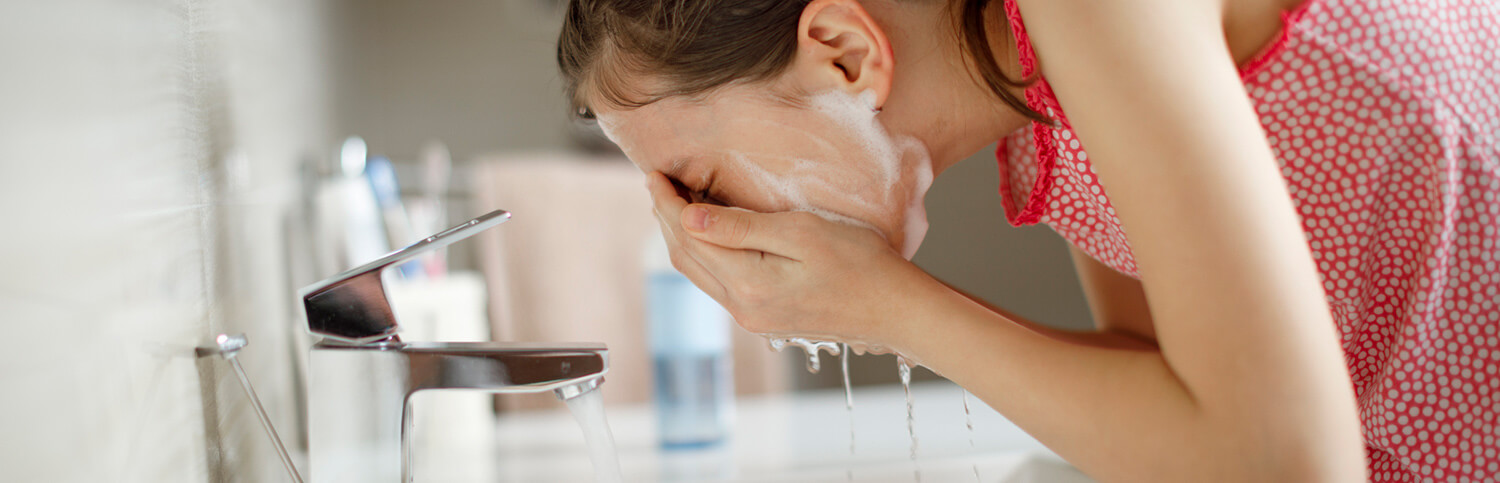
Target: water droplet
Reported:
point(849, 405)
point(969, 421)
point(810, 347)
point(903, 369)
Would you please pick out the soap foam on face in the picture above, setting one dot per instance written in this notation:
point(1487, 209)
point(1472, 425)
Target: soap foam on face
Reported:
point(873, 179)
point(858, 114)
point(891, 157)
point(791, 194)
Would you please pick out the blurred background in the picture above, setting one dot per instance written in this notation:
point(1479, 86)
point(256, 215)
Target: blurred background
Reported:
point(172, 170)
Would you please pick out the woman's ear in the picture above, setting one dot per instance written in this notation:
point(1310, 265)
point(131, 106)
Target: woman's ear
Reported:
point(839, 46)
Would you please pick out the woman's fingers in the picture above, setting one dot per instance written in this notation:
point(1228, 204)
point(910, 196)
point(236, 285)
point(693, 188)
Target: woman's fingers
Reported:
point(668, 206)
point(773, 233)
point(712, 264)
point(668, 202)
point(690, 267)
point(739, 266)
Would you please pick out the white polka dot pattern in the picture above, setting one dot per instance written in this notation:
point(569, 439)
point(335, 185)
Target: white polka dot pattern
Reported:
point(1385, 118)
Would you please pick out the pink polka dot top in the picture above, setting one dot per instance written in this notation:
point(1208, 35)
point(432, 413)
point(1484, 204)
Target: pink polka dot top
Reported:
point(1384, 116)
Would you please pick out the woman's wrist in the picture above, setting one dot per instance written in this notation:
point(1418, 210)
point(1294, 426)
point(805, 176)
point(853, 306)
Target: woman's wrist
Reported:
point(915, 306)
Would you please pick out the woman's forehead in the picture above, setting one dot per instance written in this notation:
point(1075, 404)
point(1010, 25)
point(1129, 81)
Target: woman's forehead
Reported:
point(688, 138)
point(666, 132)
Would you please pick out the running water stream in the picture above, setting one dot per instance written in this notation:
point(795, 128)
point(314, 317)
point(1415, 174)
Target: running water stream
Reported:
point(969, 422)
point(811, 347)
point(588, 409)
point(903, 367)
point(904, 370)
point(848, 404)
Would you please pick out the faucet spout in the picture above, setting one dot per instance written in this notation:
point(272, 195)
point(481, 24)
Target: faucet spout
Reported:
point(496, 367)
point(362, 376)
point(566, 393)
point(360, 395)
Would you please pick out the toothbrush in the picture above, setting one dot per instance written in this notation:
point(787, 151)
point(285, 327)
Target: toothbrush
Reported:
point(398, 230)
point(427, 211)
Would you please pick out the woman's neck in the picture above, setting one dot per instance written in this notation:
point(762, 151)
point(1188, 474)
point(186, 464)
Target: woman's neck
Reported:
point(934, 97)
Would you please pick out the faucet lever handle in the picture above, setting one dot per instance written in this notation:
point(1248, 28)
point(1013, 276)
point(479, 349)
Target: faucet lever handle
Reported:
point(352, 307)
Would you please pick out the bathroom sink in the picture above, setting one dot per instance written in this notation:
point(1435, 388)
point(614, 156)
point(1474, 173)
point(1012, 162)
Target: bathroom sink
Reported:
point(801, 436)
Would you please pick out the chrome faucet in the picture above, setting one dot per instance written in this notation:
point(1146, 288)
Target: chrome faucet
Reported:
point(362, 376)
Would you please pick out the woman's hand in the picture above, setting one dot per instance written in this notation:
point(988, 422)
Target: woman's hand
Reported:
point(788, 274)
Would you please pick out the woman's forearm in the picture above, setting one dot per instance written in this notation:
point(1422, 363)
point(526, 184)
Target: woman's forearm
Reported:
point(1095, 338)
point(1116, 412)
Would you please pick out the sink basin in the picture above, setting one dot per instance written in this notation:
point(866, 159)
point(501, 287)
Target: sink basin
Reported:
point(801, 436)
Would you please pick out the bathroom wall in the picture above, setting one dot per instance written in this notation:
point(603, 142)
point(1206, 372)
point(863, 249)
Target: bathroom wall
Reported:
point(148, 160)
point(480, 75)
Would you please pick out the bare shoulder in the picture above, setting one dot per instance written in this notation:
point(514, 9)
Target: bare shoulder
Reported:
point(1246, 25)
point(1106, 17)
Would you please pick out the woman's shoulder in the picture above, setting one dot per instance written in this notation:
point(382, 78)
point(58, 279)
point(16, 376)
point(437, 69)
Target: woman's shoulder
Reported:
point(1249, 26)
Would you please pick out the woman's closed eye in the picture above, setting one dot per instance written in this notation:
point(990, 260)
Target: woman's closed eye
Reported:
point(697, 195)
point(702, 196)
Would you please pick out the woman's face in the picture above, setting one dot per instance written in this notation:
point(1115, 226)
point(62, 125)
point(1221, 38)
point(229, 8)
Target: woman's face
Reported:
point(745, 147)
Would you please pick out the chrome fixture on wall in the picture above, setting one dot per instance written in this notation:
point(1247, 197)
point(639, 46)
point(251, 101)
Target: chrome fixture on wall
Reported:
point(362, 375)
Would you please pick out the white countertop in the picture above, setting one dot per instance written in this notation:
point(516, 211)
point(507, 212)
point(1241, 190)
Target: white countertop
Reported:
point(799, 436)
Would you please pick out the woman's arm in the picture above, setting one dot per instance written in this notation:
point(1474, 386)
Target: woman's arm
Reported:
point(1106, 336)
point(1117, 301)
point(1249, 382)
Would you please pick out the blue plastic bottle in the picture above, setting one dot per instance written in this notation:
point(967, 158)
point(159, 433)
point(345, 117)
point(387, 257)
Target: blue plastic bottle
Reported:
point(690, 348)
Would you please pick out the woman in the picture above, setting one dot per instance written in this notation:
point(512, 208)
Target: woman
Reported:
point(1308, 289)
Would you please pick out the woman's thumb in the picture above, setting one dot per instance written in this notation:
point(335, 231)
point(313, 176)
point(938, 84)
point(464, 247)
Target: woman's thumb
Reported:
point(720, 226)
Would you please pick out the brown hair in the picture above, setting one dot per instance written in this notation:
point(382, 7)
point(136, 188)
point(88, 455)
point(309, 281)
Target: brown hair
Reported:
point(690, 47)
